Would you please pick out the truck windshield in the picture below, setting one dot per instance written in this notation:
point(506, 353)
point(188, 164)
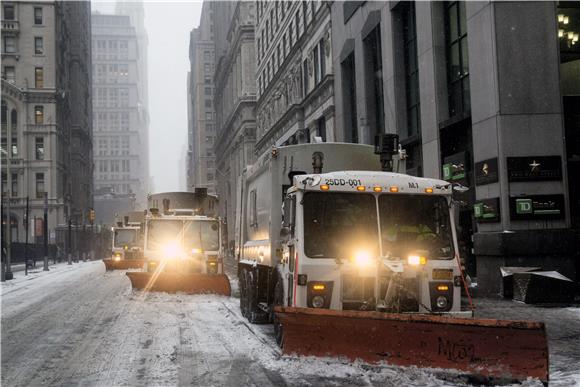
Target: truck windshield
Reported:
point(161, 232)
point(415, 222)
point(201, 235)
point(125, 237)
point(338, 225)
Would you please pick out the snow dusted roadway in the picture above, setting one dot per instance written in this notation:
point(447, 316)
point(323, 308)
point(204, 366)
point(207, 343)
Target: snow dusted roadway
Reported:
point(81, 326)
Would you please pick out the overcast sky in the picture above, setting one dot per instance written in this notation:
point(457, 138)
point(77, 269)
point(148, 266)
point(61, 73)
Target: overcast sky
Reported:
point(168, 25)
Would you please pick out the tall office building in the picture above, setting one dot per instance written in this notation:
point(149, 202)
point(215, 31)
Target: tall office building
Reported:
point(235, 99)
point(294, 73)
point(201, 170)
point(120, 105)
point(46, 116)
point(482, 94)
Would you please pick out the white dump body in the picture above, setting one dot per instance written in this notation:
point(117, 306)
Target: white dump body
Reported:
point(263, 185)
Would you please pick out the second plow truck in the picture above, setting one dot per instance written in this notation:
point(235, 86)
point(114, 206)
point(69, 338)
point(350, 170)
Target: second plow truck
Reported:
point(127, 243)
point(348, 259)
point(183, 249)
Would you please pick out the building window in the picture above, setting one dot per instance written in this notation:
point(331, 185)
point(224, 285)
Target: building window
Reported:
point(207, 91)
point(316, 66)
point(208, 103)
point(8, 12)
point(210, 176)
point(411, 71)
point(305, 77)
point(38, 46)
point(9, 74)
point(40, 186)
point(39, 148)
point(37, 15)
point(321, 128)
point(457, 58)
point(208, 116)
point(39, 77)
point(349, 98)
point(207, 79)
point(14, 185)
point(297, 24)
point(322, 59)
point(9, 44)
point(209, 128)
point(39, 115)
point(374, 81)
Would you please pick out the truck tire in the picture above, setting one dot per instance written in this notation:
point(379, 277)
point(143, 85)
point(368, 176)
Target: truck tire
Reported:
point(255, 314)
point(278, 301)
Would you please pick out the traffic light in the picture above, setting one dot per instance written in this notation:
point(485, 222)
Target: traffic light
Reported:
point(92, 216)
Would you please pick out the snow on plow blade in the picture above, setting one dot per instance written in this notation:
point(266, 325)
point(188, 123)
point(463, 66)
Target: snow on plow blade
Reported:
point(190, 283)
point(485, 349)
point(123, 264)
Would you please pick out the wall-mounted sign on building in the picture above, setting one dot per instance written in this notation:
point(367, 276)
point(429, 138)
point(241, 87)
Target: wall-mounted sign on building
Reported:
point(537, 207)
point(487, 210)
point(455, 168)
point(486, 172)
point(540, 168)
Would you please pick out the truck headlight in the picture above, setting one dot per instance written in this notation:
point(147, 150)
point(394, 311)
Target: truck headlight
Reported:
point(196, 251)
point(416, 260)
point(362, 258)
point(172, 250)
point(318, 301)
point(442, 302)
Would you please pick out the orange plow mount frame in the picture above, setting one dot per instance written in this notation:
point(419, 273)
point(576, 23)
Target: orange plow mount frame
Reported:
point(485, 349)
point(190, 283)
point(123, 264)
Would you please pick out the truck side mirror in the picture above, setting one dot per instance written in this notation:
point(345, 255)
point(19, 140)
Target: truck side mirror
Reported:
point(289, 216)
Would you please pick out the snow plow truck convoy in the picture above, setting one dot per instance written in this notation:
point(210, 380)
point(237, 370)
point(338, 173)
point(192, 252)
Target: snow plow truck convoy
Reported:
point(347, 258)
point(183, 250)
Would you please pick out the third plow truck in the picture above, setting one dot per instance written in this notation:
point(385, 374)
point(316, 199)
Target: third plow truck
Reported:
point(183, 250)
point(347, 258)
point(127, 243)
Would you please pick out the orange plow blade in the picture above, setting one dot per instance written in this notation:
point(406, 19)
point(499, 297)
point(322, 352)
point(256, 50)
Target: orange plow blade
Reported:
point(486, 350)
point(123, 264)
point(190, 283)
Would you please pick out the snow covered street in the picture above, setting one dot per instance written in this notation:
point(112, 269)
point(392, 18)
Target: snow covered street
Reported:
point(80, 325)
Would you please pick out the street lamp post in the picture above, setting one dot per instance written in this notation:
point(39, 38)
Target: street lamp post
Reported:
point(8, 270)
point(45, 232)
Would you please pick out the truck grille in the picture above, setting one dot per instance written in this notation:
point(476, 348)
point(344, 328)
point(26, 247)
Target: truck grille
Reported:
point(358, 293)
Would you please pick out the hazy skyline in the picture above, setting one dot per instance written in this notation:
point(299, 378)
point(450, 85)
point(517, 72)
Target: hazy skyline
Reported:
point(168, 25)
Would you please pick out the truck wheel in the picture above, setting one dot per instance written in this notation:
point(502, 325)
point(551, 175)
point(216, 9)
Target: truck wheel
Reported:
point(243, 293)
point(278, 301)
point(255, 314)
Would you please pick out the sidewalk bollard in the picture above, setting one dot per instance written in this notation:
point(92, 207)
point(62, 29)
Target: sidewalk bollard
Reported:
point(84, 256)
point(69, 258)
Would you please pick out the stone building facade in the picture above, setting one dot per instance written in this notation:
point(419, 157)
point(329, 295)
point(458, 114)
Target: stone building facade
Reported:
point(120, 107)
point(201, 114)
point(46, 107)
point(481, 94)
point(294, 73)
point(234, 99)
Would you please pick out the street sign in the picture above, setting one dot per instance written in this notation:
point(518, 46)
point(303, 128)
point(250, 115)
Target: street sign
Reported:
point(534, 168)
point(487, 210)
point(537, 207)
point(486, 172)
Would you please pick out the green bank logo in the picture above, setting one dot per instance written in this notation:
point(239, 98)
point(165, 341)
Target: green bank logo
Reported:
point(478, 209)
point(447, 171)
point(524, 206)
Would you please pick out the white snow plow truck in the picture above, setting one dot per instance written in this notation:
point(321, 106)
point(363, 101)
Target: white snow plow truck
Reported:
point(183, 249)
point(127, 243)
point(349, 259)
